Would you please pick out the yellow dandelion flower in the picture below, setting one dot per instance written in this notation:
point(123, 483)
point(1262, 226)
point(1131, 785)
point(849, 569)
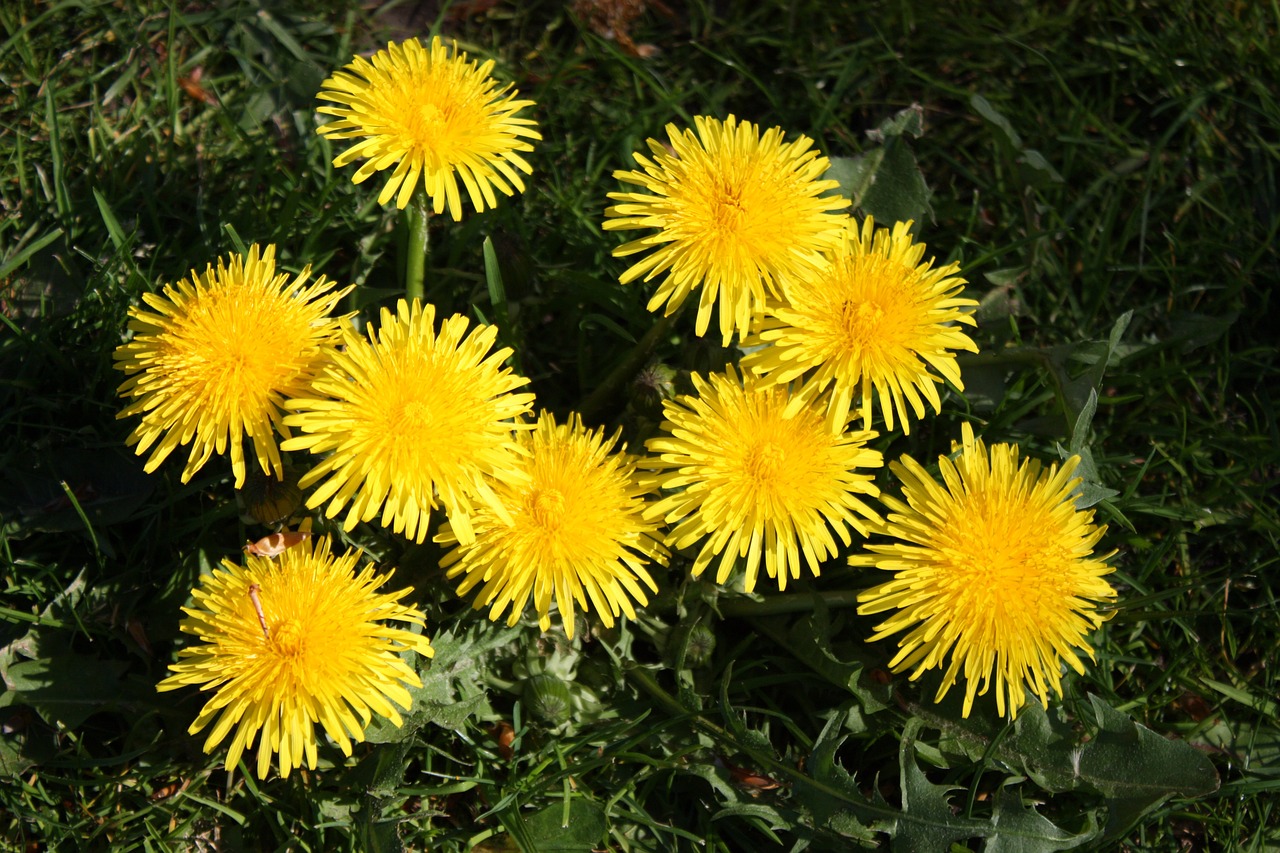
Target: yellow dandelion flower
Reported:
point(735, 213)
point(408, 416)
point(575, 530)
point(757, 471)
point(874, 318)
point(291, 641)
point(432, 116)
point(993, 568)
point(217, 354)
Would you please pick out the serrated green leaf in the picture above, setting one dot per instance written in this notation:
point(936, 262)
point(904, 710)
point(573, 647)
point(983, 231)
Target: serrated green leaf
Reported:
point(451, 688)
point(831, 813)
point(1081, 393)
point(1137, 769)
point(13, 758)
point(1043, 747)
point(1191, 330)
point(748, 738)
point(928, 821)
point(1084, 417)
point(381, 772)
point(1019, 828)
point(811, 640)
point(771, 817)
point(996, 119)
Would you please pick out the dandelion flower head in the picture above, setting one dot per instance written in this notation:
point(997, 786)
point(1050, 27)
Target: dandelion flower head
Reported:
point(757, 473)
point(994, 568)
point(574, 532)
point(432, 116)
point(733, 213)
point(869, 325)
point(216, 355)
point(292, 641)
point(410, 416)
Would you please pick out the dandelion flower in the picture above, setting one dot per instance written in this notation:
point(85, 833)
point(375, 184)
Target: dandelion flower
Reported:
point(289, 642)
point(215, 357)
point(874, 318)
point(993, 567)
point(575, 530)
point(735, 213)
point(759, 472)
point(409, 415)
point(432, 116)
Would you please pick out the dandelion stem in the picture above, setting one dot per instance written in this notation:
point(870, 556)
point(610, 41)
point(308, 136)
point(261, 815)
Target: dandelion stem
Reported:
point(787, 602)
point(416, 245)
point(761, 758)
point(607, 390)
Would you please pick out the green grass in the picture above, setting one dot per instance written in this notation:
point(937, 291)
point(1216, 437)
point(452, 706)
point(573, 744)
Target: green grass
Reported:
point(1126, 162)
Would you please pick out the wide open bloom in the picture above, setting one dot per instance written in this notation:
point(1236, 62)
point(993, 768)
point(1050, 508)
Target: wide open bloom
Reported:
point(216, 356)
point(871, 323)
point(432, 116)
point(291, 641)
point(758, 473)
point(994, 567)
point(409, 417)
point(574, 531)
point(735, 213)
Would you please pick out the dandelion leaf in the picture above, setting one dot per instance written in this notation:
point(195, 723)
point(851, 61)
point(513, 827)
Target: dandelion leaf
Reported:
point(929, 820)
point(67, 688)
point(898, 191)
point(1190, 330)
point(812, 640)
point(832, 797)
point(855, 174)
point(1137, 769)
point(576, 825)
point(1019, 828)
point(452, 683)
point(885, 182)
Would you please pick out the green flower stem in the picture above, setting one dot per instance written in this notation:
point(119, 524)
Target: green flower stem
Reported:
point(763, 760)
point(786, 602)
point(416, 246)
point(624, 372)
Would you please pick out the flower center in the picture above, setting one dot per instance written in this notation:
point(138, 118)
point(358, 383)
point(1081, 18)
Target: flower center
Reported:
point(414, 416)
point(764, 463)
point(860, 320)
point(547, 508)
point(430, 120)
point(288, 639)
point(727, 213)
